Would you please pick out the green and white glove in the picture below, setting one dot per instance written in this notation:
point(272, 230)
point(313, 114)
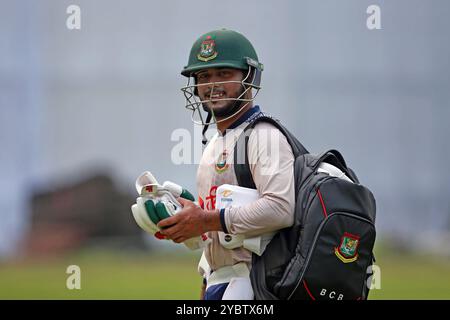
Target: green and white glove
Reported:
point(158, 202)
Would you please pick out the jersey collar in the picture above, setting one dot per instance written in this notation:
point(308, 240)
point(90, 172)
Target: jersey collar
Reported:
point(248, 116)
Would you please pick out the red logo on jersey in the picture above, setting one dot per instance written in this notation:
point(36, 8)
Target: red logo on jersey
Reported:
point(201, 203)
point(210, 203)
point(211, 199)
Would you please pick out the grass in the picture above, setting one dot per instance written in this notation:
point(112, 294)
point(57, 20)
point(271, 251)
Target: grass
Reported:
point(112, 275)
point(413, 277)
point(104, 275)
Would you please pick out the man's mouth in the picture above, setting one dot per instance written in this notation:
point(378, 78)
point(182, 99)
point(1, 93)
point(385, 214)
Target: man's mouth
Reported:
point(217, 95)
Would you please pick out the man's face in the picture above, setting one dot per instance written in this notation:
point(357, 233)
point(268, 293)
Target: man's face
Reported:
point(208, 91)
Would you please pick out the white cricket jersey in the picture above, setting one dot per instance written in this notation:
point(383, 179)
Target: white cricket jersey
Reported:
point(271, 164)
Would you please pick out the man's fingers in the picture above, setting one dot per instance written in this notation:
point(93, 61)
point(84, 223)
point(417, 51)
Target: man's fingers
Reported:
point(178, 239)
point(172, 232)
point(160, 236)
point(168, 222)
point(184, 202)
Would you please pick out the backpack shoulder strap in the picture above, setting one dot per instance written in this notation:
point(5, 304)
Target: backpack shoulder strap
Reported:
point(241, 163)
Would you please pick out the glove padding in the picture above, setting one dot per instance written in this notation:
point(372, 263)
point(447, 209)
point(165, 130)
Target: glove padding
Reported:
point(158, 202)
point(145, 218)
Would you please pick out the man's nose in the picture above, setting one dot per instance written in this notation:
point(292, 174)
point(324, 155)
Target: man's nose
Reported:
point(211, 86)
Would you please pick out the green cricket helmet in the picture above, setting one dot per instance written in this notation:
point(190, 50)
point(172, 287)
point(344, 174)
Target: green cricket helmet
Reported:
point(221, 49)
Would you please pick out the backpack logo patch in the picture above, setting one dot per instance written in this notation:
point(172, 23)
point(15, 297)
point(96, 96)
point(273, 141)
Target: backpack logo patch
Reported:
point(348, 248)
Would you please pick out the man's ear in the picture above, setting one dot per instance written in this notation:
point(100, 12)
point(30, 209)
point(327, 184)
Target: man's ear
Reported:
point(251, 74)
point(244, 73)
point(248, 80)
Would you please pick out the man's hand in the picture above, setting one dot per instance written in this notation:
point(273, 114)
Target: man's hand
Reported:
point(191, 221)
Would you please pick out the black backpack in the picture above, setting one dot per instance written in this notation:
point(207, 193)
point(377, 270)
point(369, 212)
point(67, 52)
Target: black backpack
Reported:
point(327, 252)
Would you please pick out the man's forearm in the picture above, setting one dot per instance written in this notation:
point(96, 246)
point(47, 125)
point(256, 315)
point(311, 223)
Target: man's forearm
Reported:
point(212, 220)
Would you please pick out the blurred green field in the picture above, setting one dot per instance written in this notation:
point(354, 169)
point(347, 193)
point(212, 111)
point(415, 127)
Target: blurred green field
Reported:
point(104, 275)
point(112, 275)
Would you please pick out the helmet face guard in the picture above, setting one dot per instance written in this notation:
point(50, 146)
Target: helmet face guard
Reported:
point(199, 107)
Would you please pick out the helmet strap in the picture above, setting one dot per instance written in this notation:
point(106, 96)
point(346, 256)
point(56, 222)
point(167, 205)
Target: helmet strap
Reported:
point(205, 128)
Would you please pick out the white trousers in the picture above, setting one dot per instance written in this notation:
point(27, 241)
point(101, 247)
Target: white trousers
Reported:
point(238, 279)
